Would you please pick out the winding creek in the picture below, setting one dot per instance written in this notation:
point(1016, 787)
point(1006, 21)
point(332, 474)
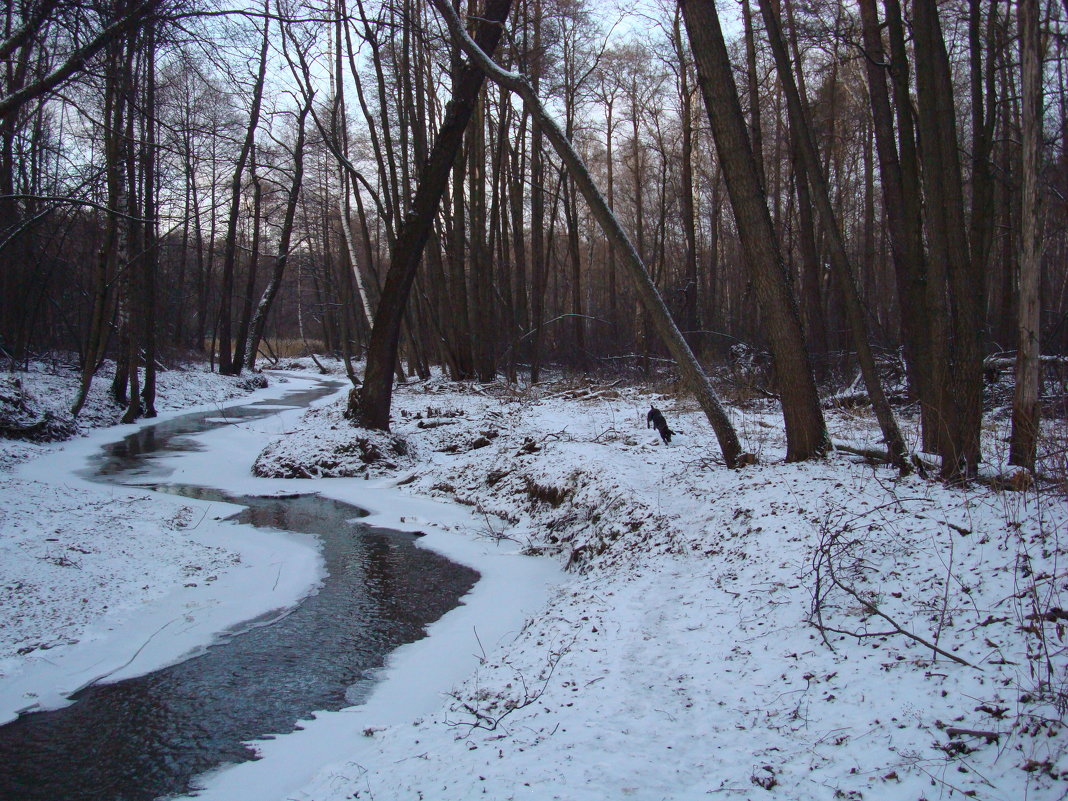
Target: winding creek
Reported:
point(147, 737)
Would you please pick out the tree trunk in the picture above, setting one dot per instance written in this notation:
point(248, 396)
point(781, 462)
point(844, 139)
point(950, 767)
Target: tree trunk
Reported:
point(107, 262)
point(957, 330)
point(481, 252)
point(126, 387)
point(756, 134)
point(370, 407)
point(151, 237)
point(906, 246)
point(241, 339)
point(1025, 406)
point(839, 260)
point(226, 365)
point(538, 267)
point(259, 317)
point(806, 432)
point(691, 303)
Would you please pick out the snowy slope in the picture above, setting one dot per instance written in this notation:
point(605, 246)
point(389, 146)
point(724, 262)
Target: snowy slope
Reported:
point(678, 656)
point(679, 659)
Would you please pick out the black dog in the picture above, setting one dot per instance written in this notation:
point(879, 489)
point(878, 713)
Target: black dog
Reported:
point(657, 421)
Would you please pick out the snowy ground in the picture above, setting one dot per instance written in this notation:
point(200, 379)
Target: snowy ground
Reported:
point(678, 658)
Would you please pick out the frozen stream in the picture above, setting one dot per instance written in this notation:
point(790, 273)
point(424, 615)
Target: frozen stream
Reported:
point(147, 737)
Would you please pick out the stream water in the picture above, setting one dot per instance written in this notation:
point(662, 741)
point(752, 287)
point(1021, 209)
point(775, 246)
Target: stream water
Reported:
point(147, 737)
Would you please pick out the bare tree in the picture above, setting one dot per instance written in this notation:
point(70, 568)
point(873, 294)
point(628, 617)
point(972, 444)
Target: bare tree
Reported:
point(285, 239)
point(957, 327)
point(806, 432)
point(1025, 406)
point(226, 364)
point(901, 201)
point(691, 370)
point(370, 406)
point(839, 259)
point(118, 21)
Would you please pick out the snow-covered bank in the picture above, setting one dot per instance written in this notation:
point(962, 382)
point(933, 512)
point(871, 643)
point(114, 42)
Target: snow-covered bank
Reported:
point(104, 581)
point(679, 658)
point(162, 576)
point(417, 676)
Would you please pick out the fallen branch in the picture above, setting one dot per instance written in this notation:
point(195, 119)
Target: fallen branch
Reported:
point(871, 607)
point(991, 736)
point(488, 722)
point(824, 572)
point(883, 457)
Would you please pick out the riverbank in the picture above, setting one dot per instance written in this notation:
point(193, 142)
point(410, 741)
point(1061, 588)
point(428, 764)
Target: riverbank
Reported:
point(138, 628)
point(812, 630)
point(678, 657)
point(105, 581)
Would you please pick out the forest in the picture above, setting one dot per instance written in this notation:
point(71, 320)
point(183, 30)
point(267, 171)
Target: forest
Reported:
point(804, 190)
point(582, 399)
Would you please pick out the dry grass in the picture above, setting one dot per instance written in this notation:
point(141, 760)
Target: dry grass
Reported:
point(293, 348)
point(282, 348)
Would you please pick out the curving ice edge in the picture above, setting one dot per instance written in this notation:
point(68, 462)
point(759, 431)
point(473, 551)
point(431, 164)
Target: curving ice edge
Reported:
point(417, 676)
point(276, 570)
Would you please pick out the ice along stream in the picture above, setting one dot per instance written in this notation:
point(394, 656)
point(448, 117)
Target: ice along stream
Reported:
point(147, 737)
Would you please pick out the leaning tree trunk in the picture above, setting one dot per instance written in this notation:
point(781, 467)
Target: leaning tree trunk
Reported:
point(691, 370)
point(370, 406)
point(839, 260)
point(806, 431)
point(259, 318)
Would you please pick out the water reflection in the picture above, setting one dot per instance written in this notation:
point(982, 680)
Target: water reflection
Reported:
point(146, 737)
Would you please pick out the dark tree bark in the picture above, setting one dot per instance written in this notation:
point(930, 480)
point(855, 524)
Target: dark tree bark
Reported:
point(263, 308)
point(149, 156)
point(370, 406)
point(692, 373)
point(957, 328)
point(129, 18)
point(226, 364)
point(480, 284)
point(839, 260)
point(241, 338)
point(756, 133)
point(902, 213)
point(521, 318)
point(126, 386)
point(114, 247)
point(806, 432)
point(538, 266)
point(691, 302)
point(812, 314)
point(1025, 406)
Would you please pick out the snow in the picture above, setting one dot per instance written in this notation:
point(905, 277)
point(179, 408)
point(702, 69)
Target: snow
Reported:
point(674, 658)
